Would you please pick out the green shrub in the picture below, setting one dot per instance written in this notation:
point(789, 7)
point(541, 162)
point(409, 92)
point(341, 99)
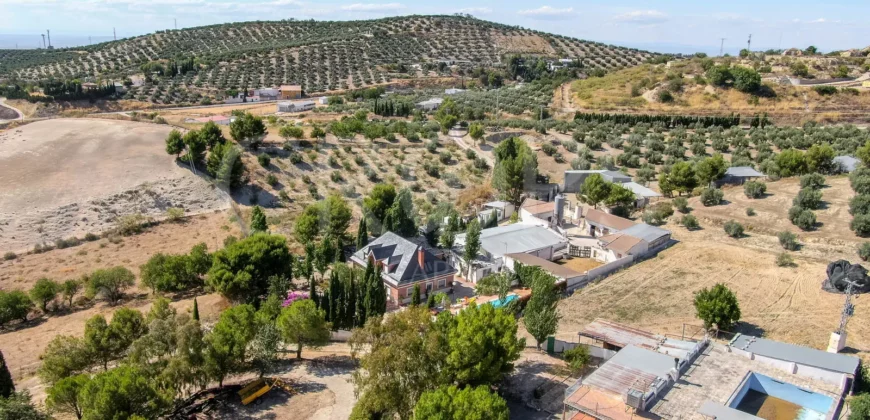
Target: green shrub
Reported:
point(733, 229)
point(754, 189)
point(14, 305)
point(784, 260)
point(813, 180)
point(682, 204)
point(788, 240)
point(859, 204)
point(271, 179)
point(690, 222)
point(264, 160)
point(805, 220)
point(808, 198)
point(861, 225)
point(577, 358)
point(652, 218)
point(548, 148)
point(295, 158)
point(335, 176)
point(750, 211)
point(711, 196)
point(825, 90)
point(9, 256)
point(864, 251)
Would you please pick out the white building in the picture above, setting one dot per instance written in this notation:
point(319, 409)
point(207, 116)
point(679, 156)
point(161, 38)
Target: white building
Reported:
point(430, 104)
point(453, 91)
point(496, 242)
point(297, 106)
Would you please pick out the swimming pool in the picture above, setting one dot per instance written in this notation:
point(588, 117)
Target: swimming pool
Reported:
point(770, 399)
point(499, 303)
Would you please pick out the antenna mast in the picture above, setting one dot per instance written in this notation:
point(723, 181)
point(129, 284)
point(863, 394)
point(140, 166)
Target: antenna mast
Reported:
point(749, 43)
point(49, 37)
point(114, 34)
point(43, 40)
point(722, 47)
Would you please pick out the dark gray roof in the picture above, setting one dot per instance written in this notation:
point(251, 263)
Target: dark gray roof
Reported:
point(400, 253)
point(743, 172)
point(646, 232)
point(797, 354)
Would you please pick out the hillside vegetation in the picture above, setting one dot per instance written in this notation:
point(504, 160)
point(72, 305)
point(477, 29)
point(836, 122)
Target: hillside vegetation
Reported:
point(705, 86)
point(185, 66)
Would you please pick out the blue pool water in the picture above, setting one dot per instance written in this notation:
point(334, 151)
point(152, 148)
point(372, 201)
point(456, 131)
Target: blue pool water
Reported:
point(500, 303)
point(771, 399)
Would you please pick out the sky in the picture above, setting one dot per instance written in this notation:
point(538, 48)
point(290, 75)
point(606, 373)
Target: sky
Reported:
point(673, 26)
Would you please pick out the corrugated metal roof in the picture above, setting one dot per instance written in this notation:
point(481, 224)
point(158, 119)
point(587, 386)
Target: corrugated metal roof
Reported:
point(619, 242)
point(514, 238)
point(631, 367)
point(640, 190)
point(646, 232)
point(620, 335)
point(743, 172)
point(608, 220)
point(797, 354)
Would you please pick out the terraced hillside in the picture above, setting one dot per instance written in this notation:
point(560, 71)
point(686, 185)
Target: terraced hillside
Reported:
point(320, 56)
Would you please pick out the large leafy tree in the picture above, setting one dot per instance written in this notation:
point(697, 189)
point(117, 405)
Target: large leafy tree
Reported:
point(540, 316)
point(241, 271)
point(516, 167)
point(44, 291)
point(594, 190)
point(227, 342)
point(174, 143)
point(717, 306)
point(19, 407)
point(121, 393)
point(212, 134)
point(248, 129)
point(682, 177)
point(64, 356)
point(483, 346)
point(376, 205)
point(110, 283)
point(330, 217)
point(165, 273)
point(820, 158)
point(620, 199)
point(405, 359)
point(14, 304)
point(746, 79)
point(710, 169)
point(400, 216)
point(304, 324)
point(65, 396)
point(469, 403)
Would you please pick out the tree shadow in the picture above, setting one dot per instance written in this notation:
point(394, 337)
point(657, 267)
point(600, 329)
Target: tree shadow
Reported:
point(331, 366)
point(748, 328)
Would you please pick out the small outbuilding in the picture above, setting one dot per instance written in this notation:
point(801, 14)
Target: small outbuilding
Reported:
point(641, 193)
point(846, 163)
point(738, 175)
point(297, 106)
point(430, 104)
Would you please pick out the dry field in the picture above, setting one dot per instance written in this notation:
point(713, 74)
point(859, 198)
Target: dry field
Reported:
point(782, 303)
point(68, 177)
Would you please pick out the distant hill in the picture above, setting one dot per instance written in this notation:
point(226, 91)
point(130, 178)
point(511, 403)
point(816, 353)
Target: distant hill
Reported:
point(320, 56)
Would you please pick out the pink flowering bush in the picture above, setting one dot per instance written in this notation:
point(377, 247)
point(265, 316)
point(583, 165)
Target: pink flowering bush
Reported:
point(293, 297)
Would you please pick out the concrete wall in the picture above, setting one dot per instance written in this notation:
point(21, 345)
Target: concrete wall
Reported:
point(609, 267)
point(784, 391)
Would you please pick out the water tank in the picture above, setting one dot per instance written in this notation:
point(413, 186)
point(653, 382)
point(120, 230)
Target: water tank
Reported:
point(560, 208)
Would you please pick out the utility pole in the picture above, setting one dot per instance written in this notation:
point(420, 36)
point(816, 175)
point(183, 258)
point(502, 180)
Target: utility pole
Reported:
point(49, 37)
point(749, 43)
point(722, 47)
point(43, 40)
point(114, 34)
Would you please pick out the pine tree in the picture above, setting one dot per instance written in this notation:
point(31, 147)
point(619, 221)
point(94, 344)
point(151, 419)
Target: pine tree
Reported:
point(7, 387)
point(195, 310)
point(362, 234)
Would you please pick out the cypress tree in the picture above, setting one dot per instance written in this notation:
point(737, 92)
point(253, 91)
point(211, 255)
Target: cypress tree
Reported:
point(324, 304)
point(380, 293)
point(362, 234)
point(350, 301)
point(7, 387)
point(370, 302)
point(415, 297)
point(195, 310)
point(335, 304)
point(312, 291)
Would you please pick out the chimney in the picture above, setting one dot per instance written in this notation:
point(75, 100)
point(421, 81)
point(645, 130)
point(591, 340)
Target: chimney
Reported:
point(421, 258)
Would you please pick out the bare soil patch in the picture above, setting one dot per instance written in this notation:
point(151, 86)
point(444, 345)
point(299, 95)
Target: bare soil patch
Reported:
point(580, 264)
point(68, 177)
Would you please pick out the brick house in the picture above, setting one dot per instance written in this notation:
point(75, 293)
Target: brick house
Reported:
point(406, 264)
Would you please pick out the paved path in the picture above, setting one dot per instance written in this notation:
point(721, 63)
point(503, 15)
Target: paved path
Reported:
point(20, 114)
point(463, 145)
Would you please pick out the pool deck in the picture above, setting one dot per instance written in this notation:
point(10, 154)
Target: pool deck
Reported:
point(716, 375)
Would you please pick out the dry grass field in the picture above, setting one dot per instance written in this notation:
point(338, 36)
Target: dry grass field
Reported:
point(782, 303)
point(68, 177)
